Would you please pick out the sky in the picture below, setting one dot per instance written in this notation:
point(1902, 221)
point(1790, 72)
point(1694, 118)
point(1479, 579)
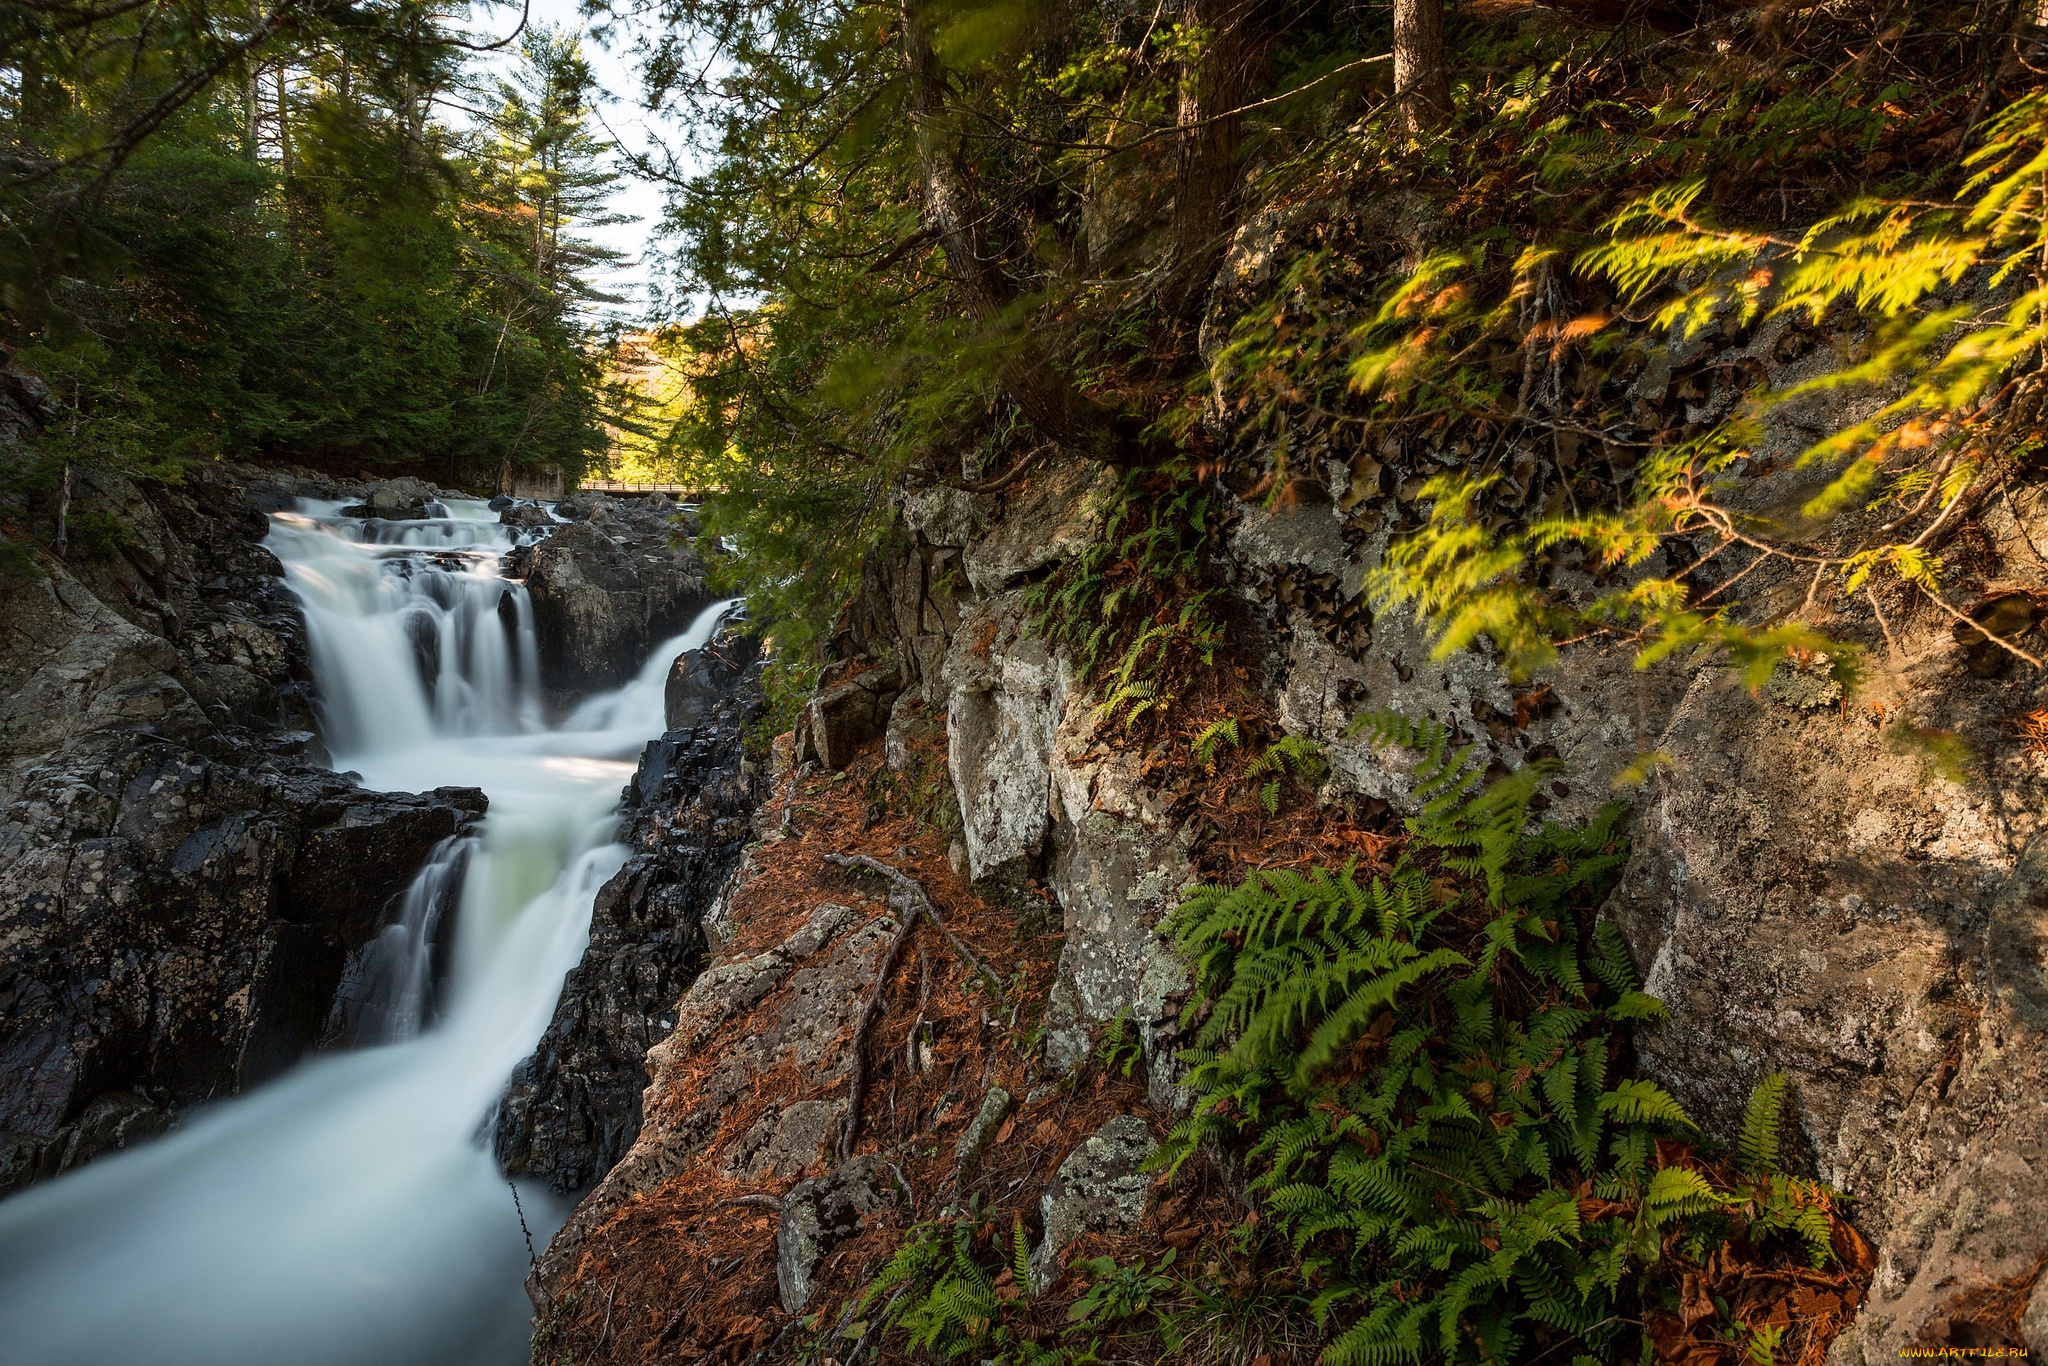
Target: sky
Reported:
point(625, 119)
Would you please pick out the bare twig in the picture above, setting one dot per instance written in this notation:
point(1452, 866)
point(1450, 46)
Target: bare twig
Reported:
point(914, 889)
point(607, 1330)
point(1891, 642)
point(2000, 641)
point(924, 902)
point(763, 1201)
point(789, 798)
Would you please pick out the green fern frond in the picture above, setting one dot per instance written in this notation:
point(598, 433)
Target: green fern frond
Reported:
point(1644, 1102)
point(1757, 1147)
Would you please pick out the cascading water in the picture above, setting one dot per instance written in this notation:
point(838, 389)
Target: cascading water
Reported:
point(348, 1213)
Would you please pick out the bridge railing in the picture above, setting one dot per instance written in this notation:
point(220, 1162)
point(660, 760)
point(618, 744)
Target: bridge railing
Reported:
point(682, 491)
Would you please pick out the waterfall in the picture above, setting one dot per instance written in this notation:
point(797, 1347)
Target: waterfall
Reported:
point(348, 1212)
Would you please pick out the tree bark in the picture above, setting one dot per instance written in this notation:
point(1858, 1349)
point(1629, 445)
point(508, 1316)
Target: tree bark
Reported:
point(1205, 197)
point(958, 219)
point(1420, 81)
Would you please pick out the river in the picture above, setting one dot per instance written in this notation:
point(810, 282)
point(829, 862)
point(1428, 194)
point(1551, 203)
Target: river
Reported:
point(351, 1212)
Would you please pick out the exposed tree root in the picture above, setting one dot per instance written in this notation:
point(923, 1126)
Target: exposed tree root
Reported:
point(914, 891)
point(857, 1069)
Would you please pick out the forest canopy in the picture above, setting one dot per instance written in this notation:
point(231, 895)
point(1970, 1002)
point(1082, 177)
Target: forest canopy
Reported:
point(308, 232)
point(1294, 249)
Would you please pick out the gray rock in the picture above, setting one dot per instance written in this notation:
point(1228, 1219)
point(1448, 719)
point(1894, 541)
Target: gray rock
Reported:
point(1100, 1188)
point(724, 991)
point(1052, 518)
point(819, 1215)
point(526, 515)
point(804, 997)
point(839, 721)
point(1806, 897)
point(995, 1108)
point(944, 516)
point(909, 723)
point(2034, 1322)
point(1005, 702)
point(792, 1138)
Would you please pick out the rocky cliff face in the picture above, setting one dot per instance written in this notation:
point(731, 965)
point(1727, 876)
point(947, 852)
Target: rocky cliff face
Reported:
point(1816, 887)
point(180, 884)
point(572, 1109)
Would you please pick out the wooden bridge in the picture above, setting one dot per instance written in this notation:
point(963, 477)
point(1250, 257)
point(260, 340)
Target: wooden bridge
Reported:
point(682, 493)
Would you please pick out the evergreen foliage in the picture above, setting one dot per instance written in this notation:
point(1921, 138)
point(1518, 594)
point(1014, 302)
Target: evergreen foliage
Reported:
point(299, 261)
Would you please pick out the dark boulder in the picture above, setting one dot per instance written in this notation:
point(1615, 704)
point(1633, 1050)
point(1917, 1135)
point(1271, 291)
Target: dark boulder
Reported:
point(605, 592)
point(180, 884)
point(176, 923)
point(525, 515)
point(572, 1108)
point(700, 681)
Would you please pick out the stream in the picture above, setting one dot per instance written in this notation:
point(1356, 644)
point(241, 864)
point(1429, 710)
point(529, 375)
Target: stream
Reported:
point(351, 1211)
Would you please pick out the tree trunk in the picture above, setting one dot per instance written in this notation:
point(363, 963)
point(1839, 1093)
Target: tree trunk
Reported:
point(1054, 406)
point(1420, 81)
point(1205, 174)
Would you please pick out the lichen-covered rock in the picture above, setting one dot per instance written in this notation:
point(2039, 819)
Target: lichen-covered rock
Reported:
point(981, 1131)
point(820, 1214)
point(1100, 1188)
point(1003, 704)
point(1050, 518)
point(1810, 894)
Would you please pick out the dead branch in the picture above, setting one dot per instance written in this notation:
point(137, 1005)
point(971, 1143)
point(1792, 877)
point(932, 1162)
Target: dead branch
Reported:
point(789, 796)
point(914, 889)
point(763, 1201)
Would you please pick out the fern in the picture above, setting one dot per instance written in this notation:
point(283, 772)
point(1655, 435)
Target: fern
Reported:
point(1212, 738)
point(1644, 1102)
point(1405, 1125)
point(1758, 1145)
point(1422, 1085)
point(1479, 834)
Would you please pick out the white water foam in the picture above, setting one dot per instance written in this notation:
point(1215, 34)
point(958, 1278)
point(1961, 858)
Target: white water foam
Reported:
point(349, 1213)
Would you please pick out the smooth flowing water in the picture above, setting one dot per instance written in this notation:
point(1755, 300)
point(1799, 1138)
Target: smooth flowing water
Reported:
point(351, 1212)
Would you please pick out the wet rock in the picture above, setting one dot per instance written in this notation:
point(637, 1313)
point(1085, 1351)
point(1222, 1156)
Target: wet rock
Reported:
point(526, 515)
point(573, 1108)
point(700, 679)
point(605, 592)
point(175, 924)
point(180, 885)
point(819, 1215)
point(397, 500)
point(1100, 1188)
